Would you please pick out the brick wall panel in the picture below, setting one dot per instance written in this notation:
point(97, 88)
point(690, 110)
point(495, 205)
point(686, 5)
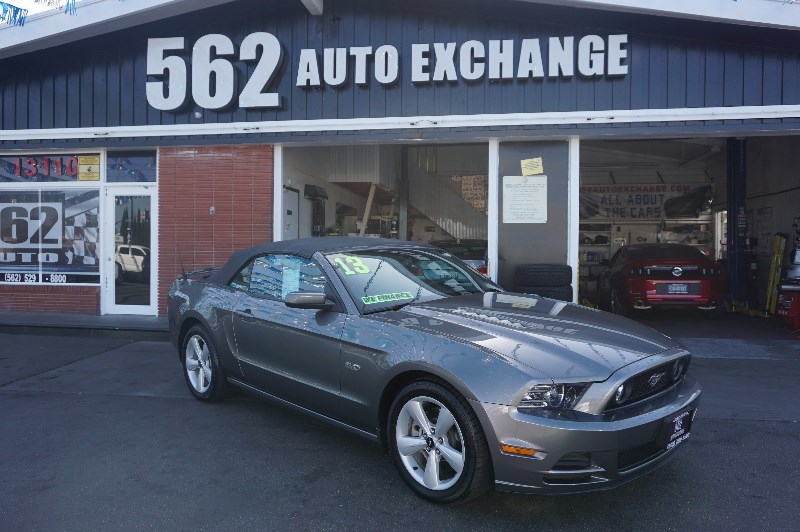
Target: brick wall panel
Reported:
point(66, 299)
point(192, 180)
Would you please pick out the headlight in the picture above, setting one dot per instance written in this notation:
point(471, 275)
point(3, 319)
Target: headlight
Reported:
point(552, 396)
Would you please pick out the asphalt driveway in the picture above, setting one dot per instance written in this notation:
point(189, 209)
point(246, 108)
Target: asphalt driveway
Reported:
point(102, 434)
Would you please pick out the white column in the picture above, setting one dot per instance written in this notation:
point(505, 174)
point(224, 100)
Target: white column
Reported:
point(573, 213)
point(277, 192)
point(493, 229)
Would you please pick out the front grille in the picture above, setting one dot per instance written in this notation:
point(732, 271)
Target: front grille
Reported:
point(629, 458)
point(651, 382)
point(567, 481)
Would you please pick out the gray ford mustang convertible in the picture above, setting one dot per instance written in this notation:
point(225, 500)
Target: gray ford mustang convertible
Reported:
point(468, 386)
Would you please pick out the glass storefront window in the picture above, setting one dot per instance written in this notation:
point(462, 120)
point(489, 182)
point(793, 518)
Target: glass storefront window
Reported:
point(49, 218)
point(131, 167)
point(49, 236)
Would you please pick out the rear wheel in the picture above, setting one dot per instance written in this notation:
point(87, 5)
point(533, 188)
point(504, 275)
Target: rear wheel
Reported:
point(437, 444)
point(204, 374)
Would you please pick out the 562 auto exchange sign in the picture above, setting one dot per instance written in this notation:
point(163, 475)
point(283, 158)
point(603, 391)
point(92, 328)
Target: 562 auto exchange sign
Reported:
point(206, 71)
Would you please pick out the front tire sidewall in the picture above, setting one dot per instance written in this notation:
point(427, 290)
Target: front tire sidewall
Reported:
point(217, 387)
point(473, 442)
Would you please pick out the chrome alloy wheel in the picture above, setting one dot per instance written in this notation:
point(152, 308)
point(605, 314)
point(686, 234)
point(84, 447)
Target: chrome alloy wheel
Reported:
point(430, 443)
point(198, 364)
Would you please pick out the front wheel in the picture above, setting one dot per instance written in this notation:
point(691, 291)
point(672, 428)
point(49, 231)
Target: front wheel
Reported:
point(437, 443)
point(201, 367)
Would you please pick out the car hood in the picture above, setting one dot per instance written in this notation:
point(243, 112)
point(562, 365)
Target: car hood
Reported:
point(561, 340)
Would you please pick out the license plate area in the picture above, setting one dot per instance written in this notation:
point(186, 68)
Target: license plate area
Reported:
point(676, 429)
point(677, 289)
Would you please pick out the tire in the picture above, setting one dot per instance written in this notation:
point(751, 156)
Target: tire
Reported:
point(617, 306)
point(543, 275)
point(562, 293)
point(462, 467)
point(201, 368)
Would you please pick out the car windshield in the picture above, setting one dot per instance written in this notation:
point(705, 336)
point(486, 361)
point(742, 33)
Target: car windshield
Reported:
point(382, 279)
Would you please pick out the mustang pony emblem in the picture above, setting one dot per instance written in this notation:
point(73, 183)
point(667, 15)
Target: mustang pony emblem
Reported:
point(655, 379)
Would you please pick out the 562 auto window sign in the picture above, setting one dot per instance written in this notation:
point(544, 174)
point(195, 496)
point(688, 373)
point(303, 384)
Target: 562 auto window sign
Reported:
point(48, 232)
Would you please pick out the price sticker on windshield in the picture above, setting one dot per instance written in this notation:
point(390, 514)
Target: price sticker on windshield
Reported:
point(352, 265)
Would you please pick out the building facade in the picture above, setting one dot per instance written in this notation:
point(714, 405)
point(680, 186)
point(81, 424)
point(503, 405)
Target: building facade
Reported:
point(555, 134)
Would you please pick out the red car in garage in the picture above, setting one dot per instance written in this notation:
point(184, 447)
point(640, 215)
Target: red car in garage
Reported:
point(645, 276)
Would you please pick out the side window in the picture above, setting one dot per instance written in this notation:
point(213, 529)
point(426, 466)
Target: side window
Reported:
point(274, 276)
point(241, 281)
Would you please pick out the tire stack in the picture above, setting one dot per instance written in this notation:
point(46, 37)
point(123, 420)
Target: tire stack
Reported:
point(547, 280)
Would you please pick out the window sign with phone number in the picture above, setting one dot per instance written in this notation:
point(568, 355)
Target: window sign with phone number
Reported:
point(49, 237)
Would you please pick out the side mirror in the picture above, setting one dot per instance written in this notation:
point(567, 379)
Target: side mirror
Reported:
point(308, 300)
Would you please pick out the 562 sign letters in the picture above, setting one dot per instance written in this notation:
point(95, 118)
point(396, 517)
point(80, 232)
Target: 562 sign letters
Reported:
point(31, 225)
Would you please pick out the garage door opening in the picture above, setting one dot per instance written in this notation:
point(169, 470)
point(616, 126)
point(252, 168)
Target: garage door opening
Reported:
point(637, 192)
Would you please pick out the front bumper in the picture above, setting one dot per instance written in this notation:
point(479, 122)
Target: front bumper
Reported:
point(589, 452)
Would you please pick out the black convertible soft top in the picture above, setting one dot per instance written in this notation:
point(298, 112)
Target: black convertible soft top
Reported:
point(306, 247)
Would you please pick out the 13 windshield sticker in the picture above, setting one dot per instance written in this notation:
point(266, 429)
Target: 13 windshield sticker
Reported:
point(352, 265)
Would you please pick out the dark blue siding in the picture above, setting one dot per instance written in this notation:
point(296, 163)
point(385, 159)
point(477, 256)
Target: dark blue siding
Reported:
point(100, 81)
point(734, 81)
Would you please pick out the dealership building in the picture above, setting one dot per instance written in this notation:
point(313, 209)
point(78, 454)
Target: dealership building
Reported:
point(143, 139)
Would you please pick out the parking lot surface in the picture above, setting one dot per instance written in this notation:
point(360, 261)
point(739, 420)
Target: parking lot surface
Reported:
point(102, 434)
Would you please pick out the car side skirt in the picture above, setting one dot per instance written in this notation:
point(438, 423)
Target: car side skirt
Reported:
point(261, 393)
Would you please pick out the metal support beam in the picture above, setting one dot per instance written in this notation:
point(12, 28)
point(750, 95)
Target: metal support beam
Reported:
point(367, 209)
point(402, 221)
point(737, 219)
